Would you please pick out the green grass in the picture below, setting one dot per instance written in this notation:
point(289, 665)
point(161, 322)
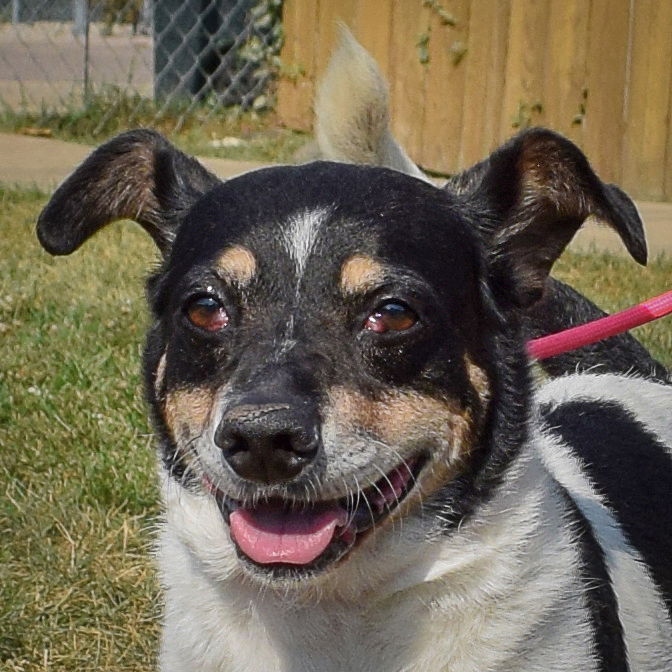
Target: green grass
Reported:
point(615, 283)
point(77, 495)
point(111, 110)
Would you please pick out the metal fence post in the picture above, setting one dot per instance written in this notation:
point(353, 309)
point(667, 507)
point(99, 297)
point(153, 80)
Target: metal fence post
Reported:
point(79, 15)
point(146, 13)
point(16, 11)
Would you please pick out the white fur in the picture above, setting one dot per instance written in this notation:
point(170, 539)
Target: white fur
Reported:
point(300, 237)
point(463, 604)
point(646, 625)
point(352, 112)
point(501, 593)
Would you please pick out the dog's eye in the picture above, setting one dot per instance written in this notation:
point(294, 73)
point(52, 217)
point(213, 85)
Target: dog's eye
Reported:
point(391, 316)
point(207, 312)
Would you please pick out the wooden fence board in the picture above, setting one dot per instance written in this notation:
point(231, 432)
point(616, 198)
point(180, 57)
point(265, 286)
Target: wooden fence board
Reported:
point(668, 157)
point(373, 24)
point(524, 77)
point(648, 100)
point(444, 99)
point(407, 74)
point(484, 83)
point(565, 67)
point(296, 86)
point(603, 126)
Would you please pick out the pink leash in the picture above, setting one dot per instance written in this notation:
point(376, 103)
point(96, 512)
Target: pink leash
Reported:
point(591, 332)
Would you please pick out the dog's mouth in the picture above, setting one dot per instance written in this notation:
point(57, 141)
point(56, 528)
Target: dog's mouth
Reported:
point(294, 538)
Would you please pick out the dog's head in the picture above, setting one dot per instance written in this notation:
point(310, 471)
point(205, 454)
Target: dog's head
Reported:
point(334, 363)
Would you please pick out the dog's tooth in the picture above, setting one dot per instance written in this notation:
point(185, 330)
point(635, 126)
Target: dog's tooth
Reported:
point(399, 480)
point(209, 485)
point(378, 503)
point(232, 504)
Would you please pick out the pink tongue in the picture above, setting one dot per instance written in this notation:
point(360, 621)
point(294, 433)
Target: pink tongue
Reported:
point(295, 537)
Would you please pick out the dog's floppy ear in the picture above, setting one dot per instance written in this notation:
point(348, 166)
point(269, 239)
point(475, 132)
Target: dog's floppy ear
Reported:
point(533, 194)
point(352, 114)
point(137, 175)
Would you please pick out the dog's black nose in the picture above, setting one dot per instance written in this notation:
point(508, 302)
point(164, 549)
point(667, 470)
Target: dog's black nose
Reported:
point(267, 443)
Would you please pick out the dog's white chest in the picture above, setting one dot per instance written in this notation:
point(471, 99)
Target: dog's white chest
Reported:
point(233, 628)
point(206, 634)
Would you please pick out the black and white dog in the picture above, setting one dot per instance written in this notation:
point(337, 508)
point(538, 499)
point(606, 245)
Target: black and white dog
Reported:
point(358, 473)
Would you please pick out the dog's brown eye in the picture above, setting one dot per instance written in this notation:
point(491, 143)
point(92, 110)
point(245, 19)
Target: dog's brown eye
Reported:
point(207, 313)
point(391, 317)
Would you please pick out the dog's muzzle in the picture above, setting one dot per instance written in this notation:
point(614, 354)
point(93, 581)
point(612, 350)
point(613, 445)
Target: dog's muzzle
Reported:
point(271, 442)
point(277, 535)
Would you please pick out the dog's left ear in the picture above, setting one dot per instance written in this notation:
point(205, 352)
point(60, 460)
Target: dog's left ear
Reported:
point(532, 195)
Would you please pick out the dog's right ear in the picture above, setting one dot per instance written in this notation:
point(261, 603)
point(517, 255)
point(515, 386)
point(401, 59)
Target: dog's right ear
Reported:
point(138, 175)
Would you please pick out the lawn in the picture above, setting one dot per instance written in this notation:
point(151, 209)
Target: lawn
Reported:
point(78, 503)
point(76, 587)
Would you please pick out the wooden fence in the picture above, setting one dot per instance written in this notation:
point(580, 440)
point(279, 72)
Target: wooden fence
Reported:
point(467, 74)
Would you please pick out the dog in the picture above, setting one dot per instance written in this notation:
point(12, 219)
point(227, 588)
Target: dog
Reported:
point(352, 124)
point(358, 471)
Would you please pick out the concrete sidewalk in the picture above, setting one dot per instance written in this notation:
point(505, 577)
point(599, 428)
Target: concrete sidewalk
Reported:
point(45, 162)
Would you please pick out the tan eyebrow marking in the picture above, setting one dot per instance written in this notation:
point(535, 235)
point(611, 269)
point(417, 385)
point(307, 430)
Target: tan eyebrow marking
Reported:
point(237, 264)
point(360, 273)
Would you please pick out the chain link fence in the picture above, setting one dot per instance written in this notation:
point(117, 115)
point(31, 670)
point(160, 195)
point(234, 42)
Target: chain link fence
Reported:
point(147, 59)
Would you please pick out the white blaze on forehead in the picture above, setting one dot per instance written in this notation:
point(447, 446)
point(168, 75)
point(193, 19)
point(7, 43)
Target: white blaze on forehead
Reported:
point(301, 234)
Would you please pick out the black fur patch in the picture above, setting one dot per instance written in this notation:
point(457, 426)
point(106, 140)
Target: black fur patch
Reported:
point(599, 592)
point(632, 470)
